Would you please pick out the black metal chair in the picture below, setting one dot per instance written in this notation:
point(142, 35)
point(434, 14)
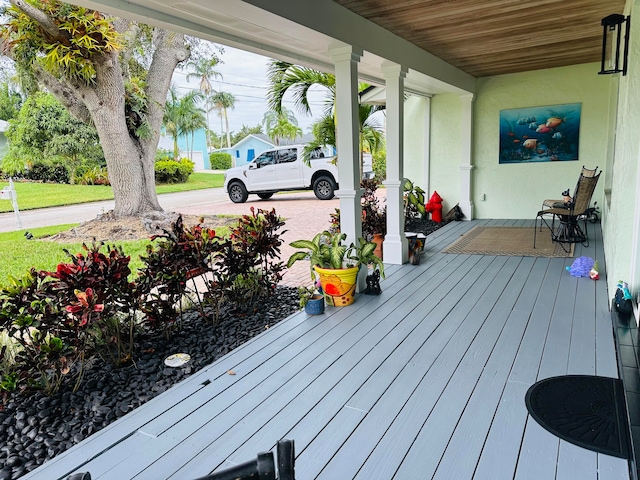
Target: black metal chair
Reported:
point(557, 203)
point(262, 468)
point(567, 230)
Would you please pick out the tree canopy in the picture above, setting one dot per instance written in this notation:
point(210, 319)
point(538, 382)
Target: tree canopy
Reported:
point(10, 101)
point(93, 66)
point(44, 130)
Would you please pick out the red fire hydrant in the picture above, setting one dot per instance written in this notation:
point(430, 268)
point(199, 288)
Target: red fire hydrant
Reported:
point(434, 207)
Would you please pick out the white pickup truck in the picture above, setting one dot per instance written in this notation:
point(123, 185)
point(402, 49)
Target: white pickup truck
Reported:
point(283, 168)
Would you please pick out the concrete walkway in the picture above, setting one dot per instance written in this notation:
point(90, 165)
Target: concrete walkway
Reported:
point(304, 215)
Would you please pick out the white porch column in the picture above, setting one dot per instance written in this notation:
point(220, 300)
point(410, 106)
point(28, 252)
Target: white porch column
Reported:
point(466, 165)
point(346, 65)
point(426, 153)
point(395, 247)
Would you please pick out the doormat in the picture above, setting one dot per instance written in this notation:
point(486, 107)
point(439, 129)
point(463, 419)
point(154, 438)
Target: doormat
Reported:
point(512, 241)
point(585, 410)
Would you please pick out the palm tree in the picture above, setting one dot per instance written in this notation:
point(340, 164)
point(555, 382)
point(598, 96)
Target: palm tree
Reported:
point(281, 125)
point(203, 70)
point(223, 101)
point(285, 77)
point(180, 114)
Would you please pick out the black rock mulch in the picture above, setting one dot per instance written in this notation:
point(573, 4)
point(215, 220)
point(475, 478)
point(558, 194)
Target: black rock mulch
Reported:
point(35, 428)
point(419, 225)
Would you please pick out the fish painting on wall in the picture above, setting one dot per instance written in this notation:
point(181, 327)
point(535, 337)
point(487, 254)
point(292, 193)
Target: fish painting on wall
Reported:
point(540, 134)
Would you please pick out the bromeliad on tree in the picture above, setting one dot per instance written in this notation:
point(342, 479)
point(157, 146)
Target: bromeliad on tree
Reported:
point(87, 61)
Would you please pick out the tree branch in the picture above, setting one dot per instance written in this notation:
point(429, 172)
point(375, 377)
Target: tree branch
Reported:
point(42, 19)
point(170, 49)
point(67, 95)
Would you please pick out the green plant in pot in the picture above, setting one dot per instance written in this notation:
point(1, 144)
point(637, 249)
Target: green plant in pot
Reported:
point(311, 301)
point(336, 264)
point(413, 201)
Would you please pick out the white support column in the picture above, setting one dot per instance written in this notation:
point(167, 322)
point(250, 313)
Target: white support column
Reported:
point(346, 65)
point(395, 246)
point(466, 165)
point(426, 153)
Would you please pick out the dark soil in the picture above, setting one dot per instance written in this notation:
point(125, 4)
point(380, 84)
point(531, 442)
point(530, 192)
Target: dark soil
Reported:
point(35, 428)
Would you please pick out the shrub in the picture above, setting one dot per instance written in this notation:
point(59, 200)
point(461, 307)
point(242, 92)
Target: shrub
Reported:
point(99, 299)
point(54, 324)
point(91, 176)
point(220, 161)
point(162, 154)
point(177, 256)
point(48, 172)
point(379, 164)
point(30, 317)
point(170, 171)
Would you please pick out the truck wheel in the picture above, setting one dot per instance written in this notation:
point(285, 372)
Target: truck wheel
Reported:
point(324, 187)
point(238, 193)
point(265, 196)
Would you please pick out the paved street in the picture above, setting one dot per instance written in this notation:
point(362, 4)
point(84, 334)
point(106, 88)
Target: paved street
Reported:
point(304, 215)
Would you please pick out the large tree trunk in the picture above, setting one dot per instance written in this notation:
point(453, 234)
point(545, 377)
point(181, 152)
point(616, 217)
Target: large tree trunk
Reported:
point(130, 157)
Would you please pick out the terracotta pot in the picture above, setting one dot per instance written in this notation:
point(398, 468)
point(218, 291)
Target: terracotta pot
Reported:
point(338, 285)
point(378, 238)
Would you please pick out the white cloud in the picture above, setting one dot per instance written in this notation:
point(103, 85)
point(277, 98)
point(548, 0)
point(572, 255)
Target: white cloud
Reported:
point(244, 74)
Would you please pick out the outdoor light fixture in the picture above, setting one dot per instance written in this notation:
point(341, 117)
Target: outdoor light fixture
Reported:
point(611, 44)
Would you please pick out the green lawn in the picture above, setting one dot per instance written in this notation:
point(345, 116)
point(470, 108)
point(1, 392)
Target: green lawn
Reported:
point(39, 195)
point(18, 254)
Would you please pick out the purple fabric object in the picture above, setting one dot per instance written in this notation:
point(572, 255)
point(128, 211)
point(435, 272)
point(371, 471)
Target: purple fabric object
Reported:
point(581, 266)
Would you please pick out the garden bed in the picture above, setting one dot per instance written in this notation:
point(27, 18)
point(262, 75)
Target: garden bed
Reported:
point(35, 428)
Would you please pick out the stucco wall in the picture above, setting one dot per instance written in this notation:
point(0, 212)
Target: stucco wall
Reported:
point(517, 190)
point(620, 226)
point(445, 152)
point(415, 139)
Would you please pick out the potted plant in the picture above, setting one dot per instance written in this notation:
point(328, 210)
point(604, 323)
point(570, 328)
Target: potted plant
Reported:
point(336, 264)
point(414, 205)
point(311, 301)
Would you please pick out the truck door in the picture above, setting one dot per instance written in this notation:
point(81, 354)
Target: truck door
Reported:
point(288, 172)
point(261, 174)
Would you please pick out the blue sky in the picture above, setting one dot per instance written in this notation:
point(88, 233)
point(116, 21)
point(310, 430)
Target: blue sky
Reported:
point(244, 75)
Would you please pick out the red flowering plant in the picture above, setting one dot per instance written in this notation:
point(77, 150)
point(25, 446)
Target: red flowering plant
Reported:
point(92, 279)
point(85, 308)
point(179, 254)
point(29, 314)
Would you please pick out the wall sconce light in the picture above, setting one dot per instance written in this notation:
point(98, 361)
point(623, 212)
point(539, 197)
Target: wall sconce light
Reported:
point(614, 60)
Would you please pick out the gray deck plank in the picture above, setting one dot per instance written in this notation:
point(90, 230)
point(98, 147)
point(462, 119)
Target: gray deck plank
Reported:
point(402, 338)
point(211, 449)
point(399, 437)
point(501, 450)
point(356, 373)
point(356, 448)
point(425, 453)
point(464, 450)
point(426, 380)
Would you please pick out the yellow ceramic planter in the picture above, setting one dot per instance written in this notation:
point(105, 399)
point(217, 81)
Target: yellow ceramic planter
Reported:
point(338, 285)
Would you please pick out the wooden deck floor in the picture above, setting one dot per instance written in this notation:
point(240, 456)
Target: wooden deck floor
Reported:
point(424, 381)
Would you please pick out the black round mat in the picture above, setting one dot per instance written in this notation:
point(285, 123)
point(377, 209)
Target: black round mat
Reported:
point(585, 410)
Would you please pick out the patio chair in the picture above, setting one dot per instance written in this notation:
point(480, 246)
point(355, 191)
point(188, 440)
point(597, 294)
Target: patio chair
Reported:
point(262, 468)
point(568, 231)
point(551, 203)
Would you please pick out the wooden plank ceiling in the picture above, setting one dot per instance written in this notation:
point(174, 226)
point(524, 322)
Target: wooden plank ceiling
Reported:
point(493, 37)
